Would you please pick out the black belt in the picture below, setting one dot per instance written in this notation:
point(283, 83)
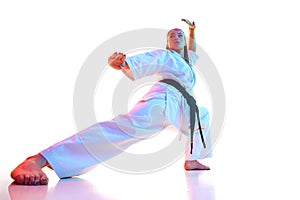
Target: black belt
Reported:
point(193, 109)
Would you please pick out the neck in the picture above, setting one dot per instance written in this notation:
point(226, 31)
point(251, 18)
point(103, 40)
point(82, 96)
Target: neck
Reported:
point(183, 54)
point(179, 51)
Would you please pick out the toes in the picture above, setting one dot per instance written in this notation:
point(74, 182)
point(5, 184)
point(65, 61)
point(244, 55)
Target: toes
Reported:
point(27, 180)
point(44, 180)
point(19, 179)
point(204, 167)
point(32, 180)
point(37, 180)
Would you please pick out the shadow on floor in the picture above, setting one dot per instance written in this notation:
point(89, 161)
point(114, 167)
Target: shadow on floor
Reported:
point(65, 189)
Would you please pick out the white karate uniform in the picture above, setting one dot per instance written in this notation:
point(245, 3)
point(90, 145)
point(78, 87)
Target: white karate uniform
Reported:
point(161, 106)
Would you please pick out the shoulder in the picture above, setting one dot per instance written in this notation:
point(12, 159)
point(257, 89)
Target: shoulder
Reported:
point(193, 56)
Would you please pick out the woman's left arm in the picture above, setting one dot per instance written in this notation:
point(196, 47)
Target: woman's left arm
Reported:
point(192, 39)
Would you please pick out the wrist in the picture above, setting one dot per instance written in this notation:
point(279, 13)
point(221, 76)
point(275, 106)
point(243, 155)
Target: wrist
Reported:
point(123, 64)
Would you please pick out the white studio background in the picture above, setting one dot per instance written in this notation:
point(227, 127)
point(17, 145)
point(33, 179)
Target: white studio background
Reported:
point(254, 45)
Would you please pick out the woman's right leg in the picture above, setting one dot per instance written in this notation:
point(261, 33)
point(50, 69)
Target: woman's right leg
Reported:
point(81, 152)
point(74, 155)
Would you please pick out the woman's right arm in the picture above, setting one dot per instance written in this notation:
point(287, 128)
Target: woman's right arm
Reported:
point(140, 65)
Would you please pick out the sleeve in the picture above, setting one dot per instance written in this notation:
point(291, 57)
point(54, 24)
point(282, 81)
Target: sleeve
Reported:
point(193, 57)
point(147, 64)
point(128, 73)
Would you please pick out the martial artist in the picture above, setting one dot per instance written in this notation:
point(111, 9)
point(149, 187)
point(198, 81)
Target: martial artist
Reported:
point(163, 105)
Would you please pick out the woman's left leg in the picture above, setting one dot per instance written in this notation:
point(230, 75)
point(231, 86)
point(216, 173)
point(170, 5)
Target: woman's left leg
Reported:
point(199, 152)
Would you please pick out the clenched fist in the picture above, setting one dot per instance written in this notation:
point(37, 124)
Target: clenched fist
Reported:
point(116, 59)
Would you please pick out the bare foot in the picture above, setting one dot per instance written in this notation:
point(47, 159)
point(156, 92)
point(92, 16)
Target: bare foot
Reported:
point(30, 171)
point(194, 165)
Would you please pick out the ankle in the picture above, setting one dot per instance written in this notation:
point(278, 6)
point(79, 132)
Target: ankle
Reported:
point(38, 160)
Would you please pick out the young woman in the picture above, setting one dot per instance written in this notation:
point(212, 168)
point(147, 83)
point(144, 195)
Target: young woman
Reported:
point(163, 105)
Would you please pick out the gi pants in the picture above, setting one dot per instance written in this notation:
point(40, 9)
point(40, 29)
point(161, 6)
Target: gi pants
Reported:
point(159, 108)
